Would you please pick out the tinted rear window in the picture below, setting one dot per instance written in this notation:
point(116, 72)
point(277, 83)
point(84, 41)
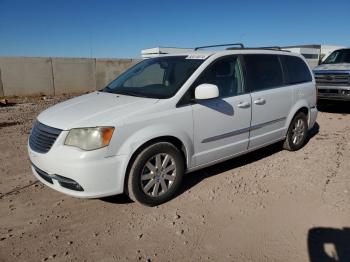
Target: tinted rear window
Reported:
point(296, 71)
point(264, 71)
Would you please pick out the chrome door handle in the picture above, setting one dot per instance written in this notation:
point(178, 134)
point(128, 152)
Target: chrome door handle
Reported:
point(243, 105)
point(260, 101)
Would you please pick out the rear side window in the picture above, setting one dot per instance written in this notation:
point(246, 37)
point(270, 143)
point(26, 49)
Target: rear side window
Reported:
point(263, 71)
point(296, 71)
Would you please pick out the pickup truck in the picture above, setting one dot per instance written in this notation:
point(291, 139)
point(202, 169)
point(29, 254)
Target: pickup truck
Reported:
point(333, 76)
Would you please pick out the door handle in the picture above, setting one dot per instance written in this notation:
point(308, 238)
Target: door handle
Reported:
point(243, 105)
point(260, 101)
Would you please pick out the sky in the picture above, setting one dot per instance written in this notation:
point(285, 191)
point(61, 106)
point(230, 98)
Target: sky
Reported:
point(121, 29)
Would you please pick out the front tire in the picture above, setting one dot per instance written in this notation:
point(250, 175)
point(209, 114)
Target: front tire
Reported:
point(297, 133)
point(156, 174)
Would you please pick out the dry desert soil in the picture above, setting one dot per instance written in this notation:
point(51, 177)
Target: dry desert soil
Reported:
point(269, 205)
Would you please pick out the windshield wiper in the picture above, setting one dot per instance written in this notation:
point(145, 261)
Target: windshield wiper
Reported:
point(108, 89)
point(129, 93)
point(111, 90)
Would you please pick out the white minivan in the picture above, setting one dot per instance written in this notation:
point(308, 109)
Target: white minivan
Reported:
point(171, 115)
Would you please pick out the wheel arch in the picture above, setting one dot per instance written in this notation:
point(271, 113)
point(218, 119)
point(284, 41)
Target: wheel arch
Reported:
point(304, 110)
point(178, 143)
point(301, 106)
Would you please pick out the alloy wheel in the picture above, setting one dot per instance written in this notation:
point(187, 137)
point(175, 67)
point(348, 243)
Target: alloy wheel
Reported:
point(158, 174)
point(298, 132)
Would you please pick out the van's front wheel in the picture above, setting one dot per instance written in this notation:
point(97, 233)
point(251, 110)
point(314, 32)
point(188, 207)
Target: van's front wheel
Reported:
point(297, 133)
point(156, 174)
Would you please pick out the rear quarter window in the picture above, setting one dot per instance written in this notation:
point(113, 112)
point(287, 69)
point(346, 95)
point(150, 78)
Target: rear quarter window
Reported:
point(295, 69)
point(263, 71)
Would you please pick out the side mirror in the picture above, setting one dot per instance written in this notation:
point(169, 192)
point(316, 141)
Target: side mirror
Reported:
point(206, 91)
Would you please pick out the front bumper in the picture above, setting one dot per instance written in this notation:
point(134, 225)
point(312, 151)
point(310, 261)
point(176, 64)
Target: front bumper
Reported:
point(97, 175)
point(334, 92)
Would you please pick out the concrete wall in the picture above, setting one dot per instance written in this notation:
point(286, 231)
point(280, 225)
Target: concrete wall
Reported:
point(26, 76)
point(73, 75)
point(29, 76)
point(1, 89)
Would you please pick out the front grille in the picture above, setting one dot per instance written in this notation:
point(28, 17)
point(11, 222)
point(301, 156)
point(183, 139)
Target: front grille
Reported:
point(328, 91)
point(333, 79)
point(341, 93)
point(42, 137)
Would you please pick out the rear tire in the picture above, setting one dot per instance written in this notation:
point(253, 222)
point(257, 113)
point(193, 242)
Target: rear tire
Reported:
point(297, 133)
point(156, 174)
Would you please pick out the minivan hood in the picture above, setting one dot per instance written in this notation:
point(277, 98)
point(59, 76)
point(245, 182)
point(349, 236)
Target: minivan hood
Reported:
point(333, 67)
point(94, 109)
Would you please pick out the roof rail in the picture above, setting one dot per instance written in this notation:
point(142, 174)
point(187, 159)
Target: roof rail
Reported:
point(270, 47)
point(260, 47)
point(209, 46)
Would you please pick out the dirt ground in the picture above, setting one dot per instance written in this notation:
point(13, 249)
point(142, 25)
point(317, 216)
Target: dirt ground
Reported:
point(269, 205)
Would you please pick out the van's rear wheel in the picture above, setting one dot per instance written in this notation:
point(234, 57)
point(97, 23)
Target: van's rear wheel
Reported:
point(297, 133)
point(156, 174)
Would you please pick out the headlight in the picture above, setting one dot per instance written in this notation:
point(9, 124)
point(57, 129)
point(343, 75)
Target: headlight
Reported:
point(89, 138)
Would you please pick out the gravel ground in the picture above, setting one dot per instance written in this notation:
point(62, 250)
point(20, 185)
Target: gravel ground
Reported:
point(269, 205)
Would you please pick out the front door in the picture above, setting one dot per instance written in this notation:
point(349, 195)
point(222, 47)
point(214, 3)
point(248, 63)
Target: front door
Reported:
point(221, 125)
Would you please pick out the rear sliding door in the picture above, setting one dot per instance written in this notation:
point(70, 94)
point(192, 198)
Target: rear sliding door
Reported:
point(271, 99)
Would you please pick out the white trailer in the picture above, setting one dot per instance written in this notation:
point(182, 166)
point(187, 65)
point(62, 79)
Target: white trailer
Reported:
point(158, 51)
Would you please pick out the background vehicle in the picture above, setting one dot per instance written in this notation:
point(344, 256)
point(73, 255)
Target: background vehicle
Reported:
point(333, 76)
point(170, 115)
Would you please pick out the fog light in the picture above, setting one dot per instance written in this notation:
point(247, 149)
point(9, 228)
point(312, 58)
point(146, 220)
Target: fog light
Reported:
point(345, 92)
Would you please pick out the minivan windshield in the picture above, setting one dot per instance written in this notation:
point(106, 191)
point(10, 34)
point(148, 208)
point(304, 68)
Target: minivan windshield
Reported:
point(159, 77)
point(338, 56)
